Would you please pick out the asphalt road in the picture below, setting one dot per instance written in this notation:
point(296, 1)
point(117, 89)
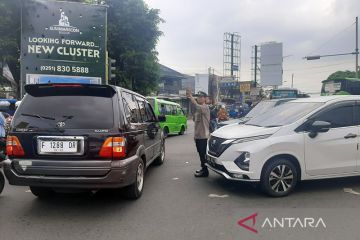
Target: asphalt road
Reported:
point(175, 205)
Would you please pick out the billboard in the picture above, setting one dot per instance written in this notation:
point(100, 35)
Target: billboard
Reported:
point(245, 87)
point(271, 60)
point(62, 41)
point(202, 83)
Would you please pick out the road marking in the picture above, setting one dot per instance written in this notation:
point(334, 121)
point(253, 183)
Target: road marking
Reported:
point(186, 162)
point(350, 190)
point(27, 191)
point(175, 178)
point(218, 196)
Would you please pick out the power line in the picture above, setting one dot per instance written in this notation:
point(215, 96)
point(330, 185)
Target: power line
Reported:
point(323, 66)
point(326, 71)
point(332, 38)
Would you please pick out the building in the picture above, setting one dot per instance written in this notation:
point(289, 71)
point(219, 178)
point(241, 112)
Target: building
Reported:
point(170, 81)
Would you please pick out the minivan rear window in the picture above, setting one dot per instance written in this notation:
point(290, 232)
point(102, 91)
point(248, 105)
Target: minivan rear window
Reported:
point(76, 111)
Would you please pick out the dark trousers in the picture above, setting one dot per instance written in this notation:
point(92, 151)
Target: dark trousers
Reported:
point(201, 148)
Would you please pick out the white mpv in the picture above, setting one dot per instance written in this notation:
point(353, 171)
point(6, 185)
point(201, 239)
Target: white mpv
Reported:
point(309, 138)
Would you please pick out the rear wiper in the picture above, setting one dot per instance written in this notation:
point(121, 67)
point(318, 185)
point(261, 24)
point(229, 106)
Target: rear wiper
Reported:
point(40, 117)
point(37, 116)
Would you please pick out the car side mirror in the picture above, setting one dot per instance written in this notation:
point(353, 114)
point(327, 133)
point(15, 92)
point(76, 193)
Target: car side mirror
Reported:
point(319, 127)
point(162, 118)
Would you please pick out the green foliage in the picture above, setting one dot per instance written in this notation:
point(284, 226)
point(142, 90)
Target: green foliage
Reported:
point(133, 34)
point(342, 93)
point(341, 75)
point(132, 37)
point(10, 35)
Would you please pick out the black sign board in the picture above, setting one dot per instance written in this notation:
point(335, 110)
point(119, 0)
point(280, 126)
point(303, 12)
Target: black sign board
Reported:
point(62, 42)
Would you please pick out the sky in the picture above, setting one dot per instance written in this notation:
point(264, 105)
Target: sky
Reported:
point(193, 35)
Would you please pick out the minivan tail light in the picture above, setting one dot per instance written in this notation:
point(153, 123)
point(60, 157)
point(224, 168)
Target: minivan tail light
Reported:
point(13, 147)
point(67, 85)
point(113, 147)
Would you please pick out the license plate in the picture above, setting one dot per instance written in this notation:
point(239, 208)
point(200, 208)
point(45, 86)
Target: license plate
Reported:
point(58, 146)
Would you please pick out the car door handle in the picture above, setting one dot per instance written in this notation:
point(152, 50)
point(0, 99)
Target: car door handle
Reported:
point(350, 135)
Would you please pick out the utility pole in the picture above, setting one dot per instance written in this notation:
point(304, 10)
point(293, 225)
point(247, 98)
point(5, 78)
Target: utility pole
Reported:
point(292, 80)
point(357, 48)
point(356, 52)
point(232, 55)
point(255, 67)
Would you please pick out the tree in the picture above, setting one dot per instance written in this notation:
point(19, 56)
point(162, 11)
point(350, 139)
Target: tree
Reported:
point(133, 33)
point(10, 35)
point(341, 75)
point(132, 37)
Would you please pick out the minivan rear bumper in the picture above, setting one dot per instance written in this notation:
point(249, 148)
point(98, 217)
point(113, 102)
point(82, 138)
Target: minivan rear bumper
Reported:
point(73, 174)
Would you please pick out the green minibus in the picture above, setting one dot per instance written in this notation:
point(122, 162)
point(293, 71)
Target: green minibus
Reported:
point(176, 120)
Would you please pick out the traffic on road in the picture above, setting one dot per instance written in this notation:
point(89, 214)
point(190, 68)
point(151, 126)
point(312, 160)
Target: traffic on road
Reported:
point(153, 119)
point(51, 149)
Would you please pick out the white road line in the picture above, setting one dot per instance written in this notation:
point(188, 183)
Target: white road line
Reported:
point(350, 190)
point(218, 196)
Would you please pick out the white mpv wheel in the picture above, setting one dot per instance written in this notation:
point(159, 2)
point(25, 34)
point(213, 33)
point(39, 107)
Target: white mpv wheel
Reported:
point(279, 178)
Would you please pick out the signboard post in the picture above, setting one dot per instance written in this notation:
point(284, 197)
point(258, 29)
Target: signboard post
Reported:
point(62, 42)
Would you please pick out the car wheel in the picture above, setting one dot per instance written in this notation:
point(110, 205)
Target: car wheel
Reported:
point(41, 192)
point(2, 182)
point(135, 190)
point(166, 132)
point(182, 131)
point(279, 178)
point(161, 158)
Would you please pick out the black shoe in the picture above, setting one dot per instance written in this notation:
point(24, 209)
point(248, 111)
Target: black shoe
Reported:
point(202, 173)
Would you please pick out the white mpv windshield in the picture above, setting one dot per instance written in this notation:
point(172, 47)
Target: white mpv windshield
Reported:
point(284, 114)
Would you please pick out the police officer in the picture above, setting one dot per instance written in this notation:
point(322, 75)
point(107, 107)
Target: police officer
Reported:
point(201, 135)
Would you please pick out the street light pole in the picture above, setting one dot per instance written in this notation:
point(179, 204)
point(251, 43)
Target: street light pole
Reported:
point(357, 48)
point(292, 80)
point(356, 52)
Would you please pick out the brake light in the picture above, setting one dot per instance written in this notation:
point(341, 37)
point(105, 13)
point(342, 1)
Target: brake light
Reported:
point(113, 147)
point(67, 85)
point(13, 147)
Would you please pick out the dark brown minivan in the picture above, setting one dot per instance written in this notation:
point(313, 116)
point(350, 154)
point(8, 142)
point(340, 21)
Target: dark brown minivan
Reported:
point(82, 136)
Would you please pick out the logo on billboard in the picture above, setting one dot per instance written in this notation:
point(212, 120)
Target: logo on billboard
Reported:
point(64, 26)
point(64, 20)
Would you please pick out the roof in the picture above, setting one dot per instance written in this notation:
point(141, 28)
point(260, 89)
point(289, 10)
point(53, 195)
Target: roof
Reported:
point(168, 72)
point(164, 101)
point(339, 79)
point(325, 99)
point(285, 88)
point(128, 90)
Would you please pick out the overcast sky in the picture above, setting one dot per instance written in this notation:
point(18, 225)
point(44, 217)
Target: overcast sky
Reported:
point(193, 35)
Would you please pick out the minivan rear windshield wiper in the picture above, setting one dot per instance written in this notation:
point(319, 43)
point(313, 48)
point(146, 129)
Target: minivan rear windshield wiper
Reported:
point(37, 116)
